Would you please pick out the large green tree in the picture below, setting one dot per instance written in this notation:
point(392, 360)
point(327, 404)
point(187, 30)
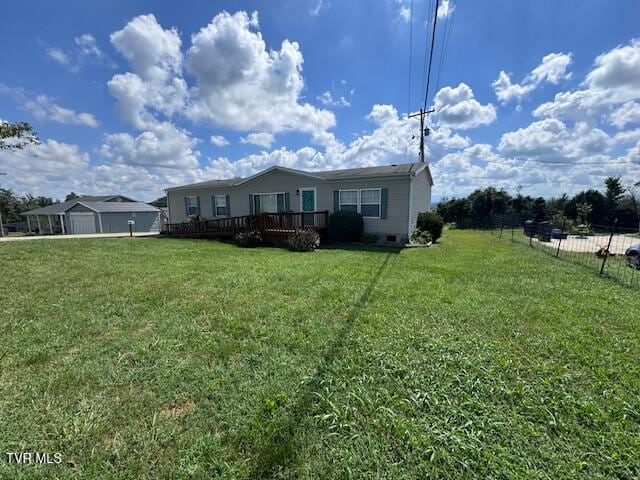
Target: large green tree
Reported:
point(613, 194)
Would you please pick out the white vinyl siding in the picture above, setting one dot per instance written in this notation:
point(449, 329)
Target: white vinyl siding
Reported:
point(395, 223)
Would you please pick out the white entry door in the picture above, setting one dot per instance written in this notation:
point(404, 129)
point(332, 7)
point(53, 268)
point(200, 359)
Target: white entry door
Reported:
point(83, 223)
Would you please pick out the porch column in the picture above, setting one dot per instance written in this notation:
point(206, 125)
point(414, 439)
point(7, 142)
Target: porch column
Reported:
point(28, 224)
point(62, 223)
point(50, 225)
point(100, 222)
point(39, 227)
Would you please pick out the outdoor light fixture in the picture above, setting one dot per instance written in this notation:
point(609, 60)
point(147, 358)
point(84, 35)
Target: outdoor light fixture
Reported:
point(297, 191)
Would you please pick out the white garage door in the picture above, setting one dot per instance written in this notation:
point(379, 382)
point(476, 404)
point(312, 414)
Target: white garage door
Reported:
point(83, 223)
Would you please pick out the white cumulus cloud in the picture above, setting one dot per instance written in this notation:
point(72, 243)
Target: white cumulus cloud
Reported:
point(552, 69)
point(614, 80)
point(243, 85)
point(262, 139)
point(456, 107)
point(218, 141)
point(43, 107)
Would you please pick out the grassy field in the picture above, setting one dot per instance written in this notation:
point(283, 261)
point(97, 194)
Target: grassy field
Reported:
point(164, 358)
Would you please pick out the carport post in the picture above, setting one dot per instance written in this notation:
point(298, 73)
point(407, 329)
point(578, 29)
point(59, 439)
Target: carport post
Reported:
point(39, 227)
point(62, 223)
point(50, 225)
point(29, 224)
point(606, 253)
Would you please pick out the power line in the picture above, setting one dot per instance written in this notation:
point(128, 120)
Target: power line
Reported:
point(410, 57)
point(448, 25)
point(433, 37)
point(426, 46)
point(423, 111)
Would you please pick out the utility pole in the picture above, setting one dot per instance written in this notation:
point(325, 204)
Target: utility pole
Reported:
point(423, 131)
point(1, 224)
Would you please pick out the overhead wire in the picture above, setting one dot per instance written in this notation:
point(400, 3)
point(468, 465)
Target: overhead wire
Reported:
point(426, 45)
point(433, 37)
point(448, 26)
point(410, 58)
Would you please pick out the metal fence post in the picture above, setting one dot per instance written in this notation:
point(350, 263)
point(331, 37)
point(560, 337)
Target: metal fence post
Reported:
point(561, 235)
point(501, 225)
point(606, 253)
point(513, 227)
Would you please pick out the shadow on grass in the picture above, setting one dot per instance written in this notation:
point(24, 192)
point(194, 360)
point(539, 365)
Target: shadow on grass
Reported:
point(361, 247)
point(280, 449)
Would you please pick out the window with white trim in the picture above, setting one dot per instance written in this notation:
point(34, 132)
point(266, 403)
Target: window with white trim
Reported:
point(348, 200)
point(370, 202)
point(221, 205)
point(367, 201)
point(192, 205)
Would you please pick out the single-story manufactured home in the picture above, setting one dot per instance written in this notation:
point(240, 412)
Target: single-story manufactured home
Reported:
point(94, 214)
point(388, 197)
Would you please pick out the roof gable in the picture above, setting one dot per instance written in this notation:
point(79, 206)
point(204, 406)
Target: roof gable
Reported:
point(277, 168)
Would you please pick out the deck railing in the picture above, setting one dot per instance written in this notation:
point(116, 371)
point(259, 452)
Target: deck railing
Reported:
point(267, 223)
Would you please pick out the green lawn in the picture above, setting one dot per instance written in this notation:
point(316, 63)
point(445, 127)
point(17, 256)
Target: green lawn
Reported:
point(164, 358)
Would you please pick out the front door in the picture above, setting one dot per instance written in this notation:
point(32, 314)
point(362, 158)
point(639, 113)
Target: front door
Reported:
point(308, 204)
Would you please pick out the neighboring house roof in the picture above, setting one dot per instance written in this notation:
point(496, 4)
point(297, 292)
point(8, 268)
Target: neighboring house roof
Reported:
point(61, 207)
point(104, 207)
point(401, 169)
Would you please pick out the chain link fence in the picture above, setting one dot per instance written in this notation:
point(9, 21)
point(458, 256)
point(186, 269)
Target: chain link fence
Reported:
point(606, 249)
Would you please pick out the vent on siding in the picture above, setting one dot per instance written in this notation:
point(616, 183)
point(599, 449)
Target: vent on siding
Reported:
point(392, 238)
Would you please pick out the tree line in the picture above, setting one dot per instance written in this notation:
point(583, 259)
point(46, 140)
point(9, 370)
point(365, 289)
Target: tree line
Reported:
point(616, 201)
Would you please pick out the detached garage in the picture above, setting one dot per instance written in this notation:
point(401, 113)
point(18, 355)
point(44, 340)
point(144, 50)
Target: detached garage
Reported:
point(113, 217)
point(107, 214)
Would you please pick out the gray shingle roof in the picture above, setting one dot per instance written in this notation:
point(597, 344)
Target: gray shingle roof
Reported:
point(58, 208)
point(211, 184)
point(103, 207)
point(378, 171)
point(400, 169)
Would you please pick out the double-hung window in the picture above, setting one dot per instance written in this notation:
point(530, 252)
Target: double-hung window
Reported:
point(366, 201)
point(220, 202)
point(192, 206)
point(349, 200)
point(370, 202)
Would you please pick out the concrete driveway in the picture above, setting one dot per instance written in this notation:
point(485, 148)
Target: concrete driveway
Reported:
point(84, 235)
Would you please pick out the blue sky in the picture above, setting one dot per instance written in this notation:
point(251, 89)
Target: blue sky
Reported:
point(133, 97)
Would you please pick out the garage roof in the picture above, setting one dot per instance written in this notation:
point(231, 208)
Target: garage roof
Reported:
point(61, 207)
point(104, 207)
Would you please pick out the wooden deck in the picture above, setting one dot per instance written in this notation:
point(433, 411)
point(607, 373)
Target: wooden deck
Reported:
point(275, 227)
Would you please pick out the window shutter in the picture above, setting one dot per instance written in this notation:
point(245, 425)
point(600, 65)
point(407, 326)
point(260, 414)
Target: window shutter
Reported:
point(384, 194)
point(186, 206)
point(213, 206)
point(251, 206)
point(287, 205)
point(228, 206)
point(198, 200)
point(336, 200)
